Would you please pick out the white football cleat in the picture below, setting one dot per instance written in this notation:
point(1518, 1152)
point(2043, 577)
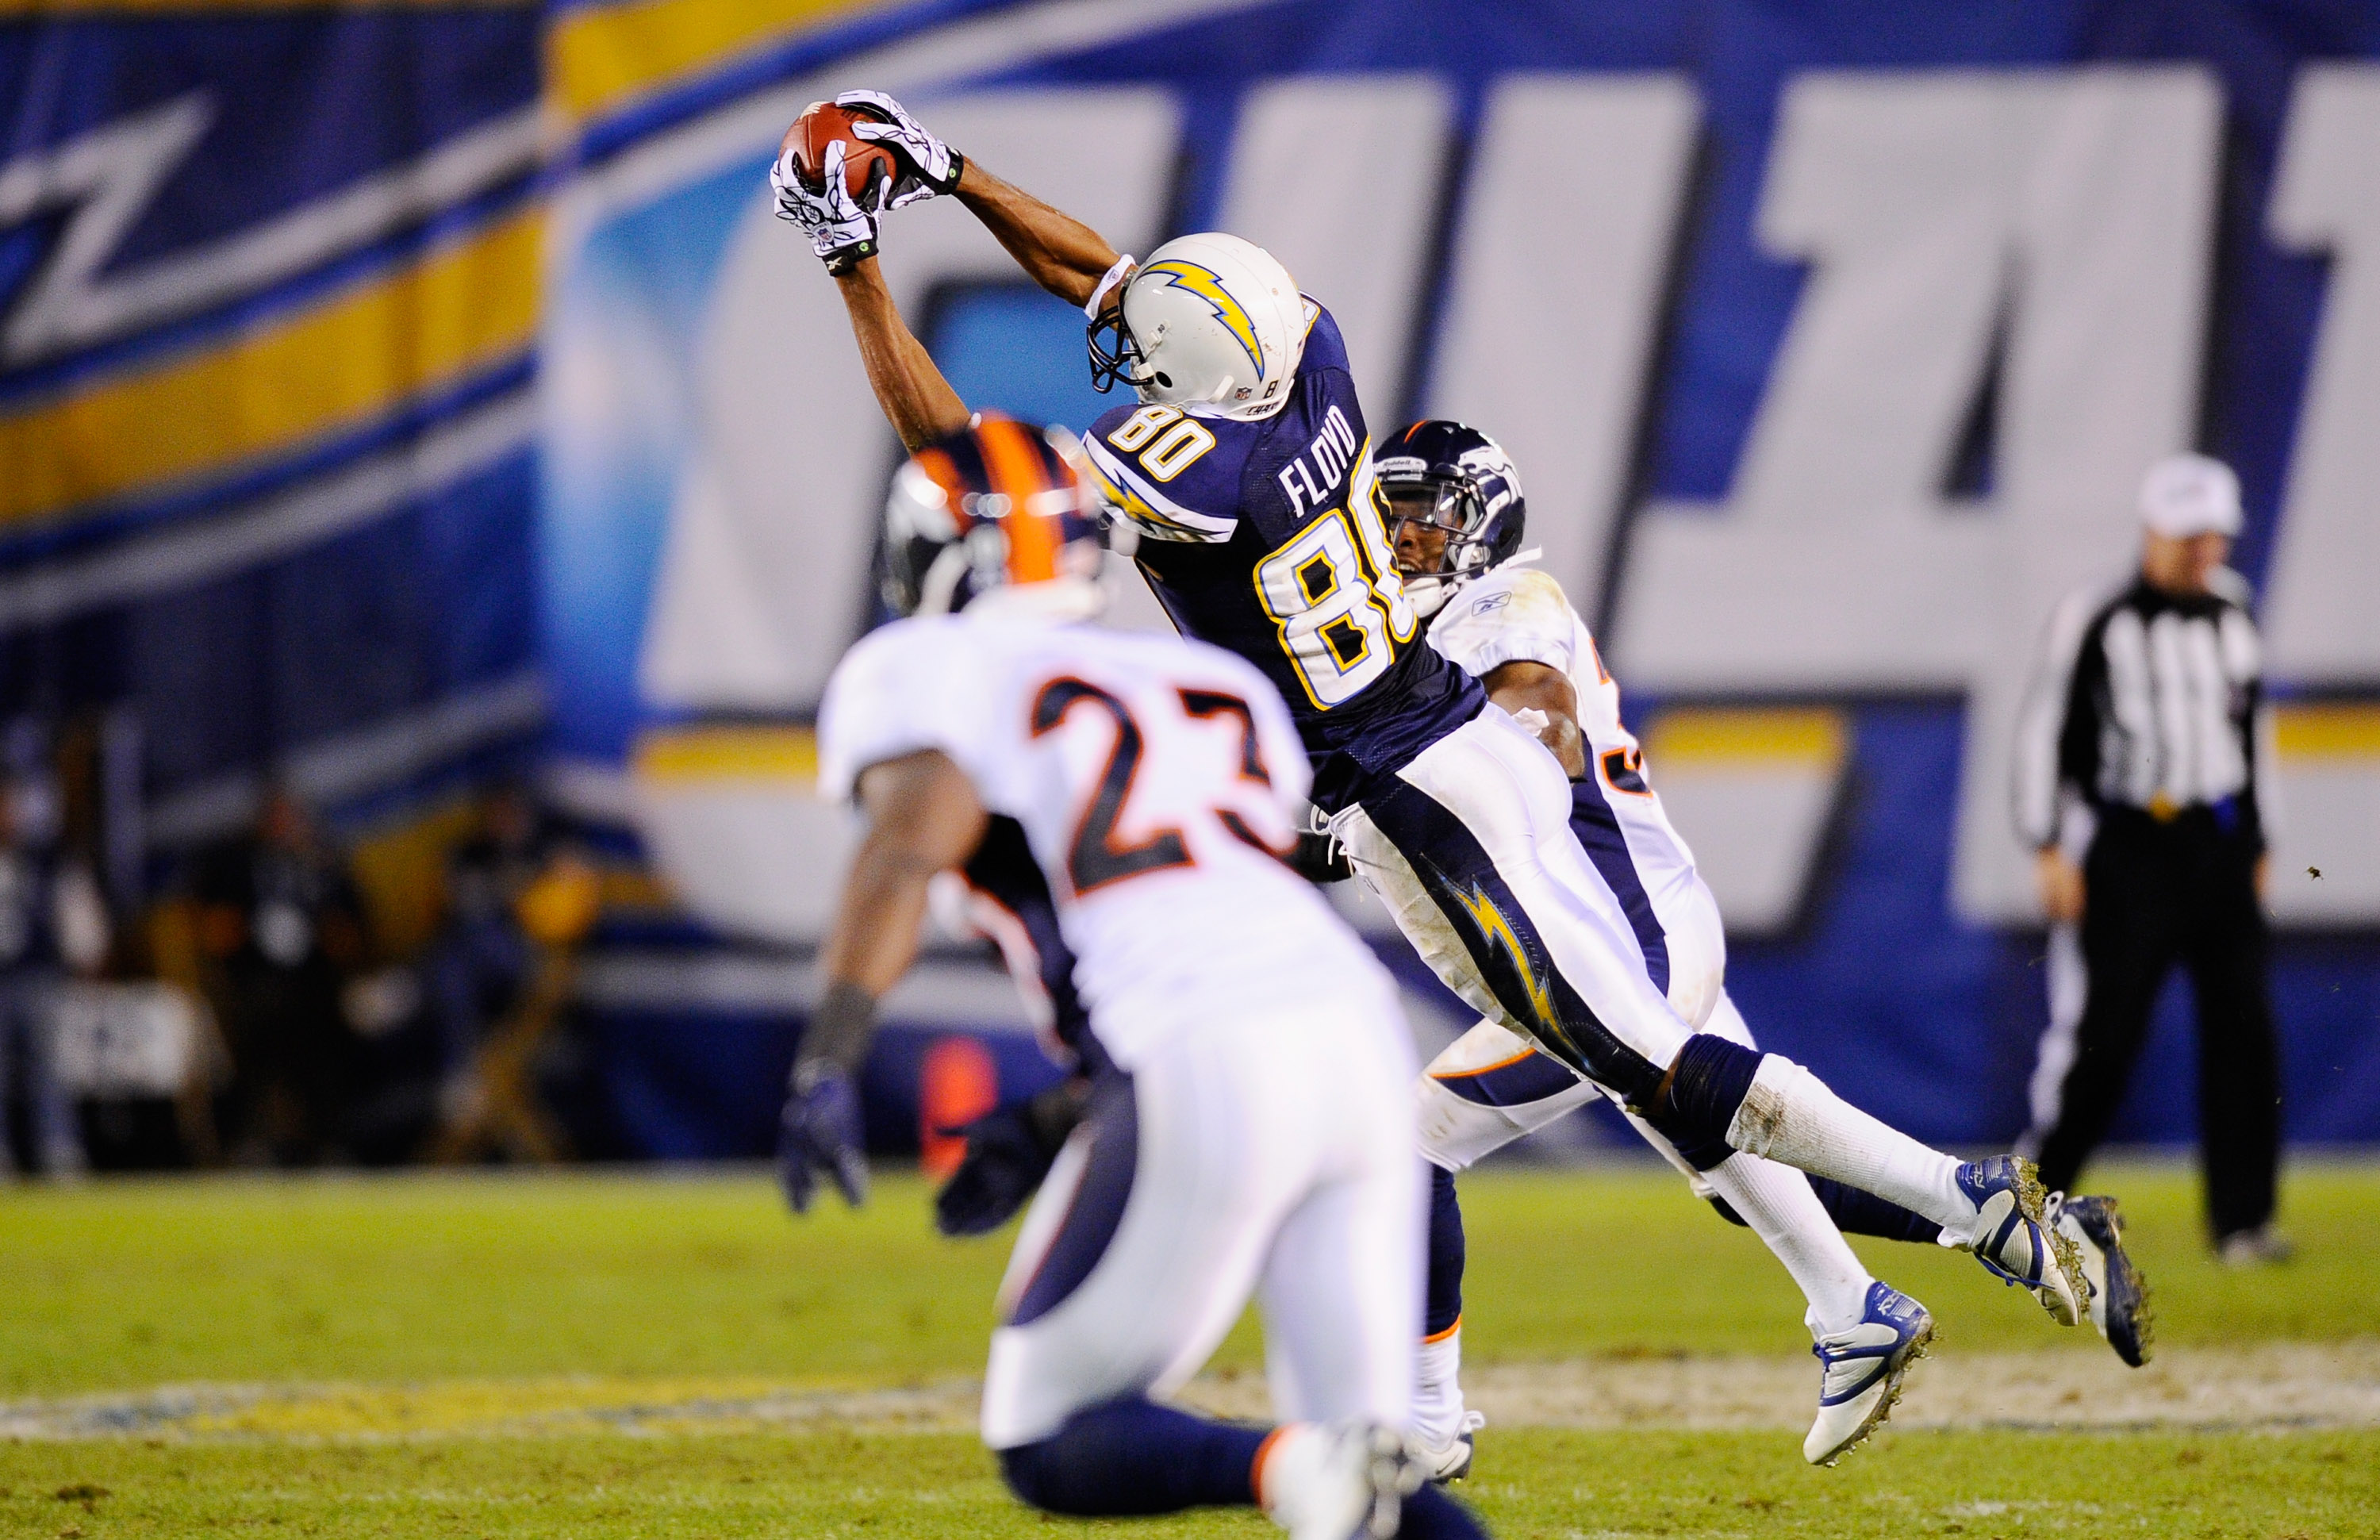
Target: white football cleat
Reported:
point(1451, 1460)
point(2014, 1240)
point(1336, 1481)
point(1861, 1370)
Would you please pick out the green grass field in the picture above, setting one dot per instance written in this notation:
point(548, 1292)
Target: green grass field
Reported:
point(443, 1306)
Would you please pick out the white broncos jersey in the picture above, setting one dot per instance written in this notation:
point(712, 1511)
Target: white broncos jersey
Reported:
point(1519, 614)
point(1156, 780)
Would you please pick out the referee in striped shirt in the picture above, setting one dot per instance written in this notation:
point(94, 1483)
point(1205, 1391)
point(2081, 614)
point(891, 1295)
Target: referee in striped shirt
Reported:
point(2138, 768)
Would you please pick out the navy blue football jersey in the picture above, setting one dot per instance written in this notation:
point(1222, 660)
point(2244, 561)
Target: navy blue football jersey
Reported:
point(1268, 539)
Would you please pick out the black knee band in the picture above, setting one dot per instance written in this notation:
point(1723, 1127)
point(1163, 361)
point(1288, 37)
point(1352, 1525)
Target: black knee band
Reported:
point(1707, 1084)
point(1727, 1211)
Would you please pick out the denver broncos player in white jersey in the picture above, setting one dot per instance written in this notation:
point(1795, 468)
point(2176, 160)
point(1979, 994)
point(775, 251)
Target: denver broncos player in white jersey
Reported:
point(1457, 519)
point(1249, 1130)
point(1246, 467)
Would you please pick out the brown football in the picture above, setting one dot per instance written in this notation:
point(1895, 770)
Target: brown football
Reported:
point(822, 123)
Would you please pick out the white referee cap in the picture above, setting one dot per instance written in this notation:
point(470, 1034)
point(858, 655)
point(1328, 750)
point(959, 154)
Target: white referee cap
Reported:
point(2188, 494)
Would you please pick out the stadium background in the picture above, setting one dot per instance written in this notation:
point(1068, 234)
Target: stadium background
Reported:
point(460, 408)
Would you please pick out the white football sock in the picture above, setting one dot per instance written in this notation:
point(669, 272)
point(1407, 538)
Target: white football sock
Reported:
point(1437, 1397)
point(1777, 1203)
point(1789, 1116)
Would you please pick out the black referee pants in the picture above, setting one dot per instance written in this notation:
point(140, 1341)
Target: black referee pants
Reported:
point(2158, 894)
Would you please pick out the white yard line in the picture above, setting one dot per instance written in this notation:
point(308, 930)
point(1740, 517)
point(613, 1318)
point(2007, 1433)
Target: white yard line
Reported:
point(2273, 1386)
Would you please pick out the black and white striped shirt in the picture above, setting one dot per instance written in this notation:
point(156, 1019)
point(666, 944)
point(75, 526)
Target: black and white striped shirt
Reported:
point(2145, 699)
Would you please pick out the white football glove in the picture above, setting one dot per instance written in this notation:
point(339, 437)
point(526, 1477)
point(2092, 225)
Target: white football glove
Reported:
point(842, 229)
point(933, 166)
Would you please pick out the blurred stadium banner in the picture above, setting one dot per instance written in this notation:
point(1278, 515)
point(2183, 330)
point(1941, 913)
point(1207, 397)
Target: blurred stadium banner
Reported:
point(269, 306)
point(1831, 342)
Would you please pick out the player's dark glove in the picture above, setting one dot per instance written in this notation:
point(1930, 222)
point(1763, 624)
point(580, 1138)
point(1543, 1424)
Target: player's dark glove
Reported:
point(1008, 1153)
point(841, 229)
point(821, 1131)
point(1320, 858)
point(928, 167)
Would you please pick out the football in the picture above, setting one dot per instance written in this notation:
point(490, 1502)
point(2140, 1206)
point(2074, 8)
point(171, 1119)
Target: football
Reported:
point(822, 123)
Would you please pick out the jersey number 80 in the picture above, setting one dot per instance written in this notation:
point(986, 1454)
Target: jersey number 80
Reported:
point(1332, 590)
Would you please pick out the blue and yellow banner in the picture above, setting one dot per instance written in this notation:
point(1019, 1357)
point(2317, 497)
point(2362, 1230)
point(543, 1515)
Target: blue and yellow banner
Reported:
point(387, 386)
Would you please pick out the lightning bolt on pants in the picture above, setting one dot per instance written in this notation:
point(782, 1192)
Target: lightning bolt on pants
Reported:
point(1470, 845)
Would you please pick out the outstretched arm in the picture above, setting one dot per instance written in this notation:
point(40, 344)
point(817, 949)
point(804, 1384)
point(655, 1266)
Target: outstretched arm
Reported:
point(923, 817)
point(1062, 254)
point(842, 231)
point(920, 404)
point(1056, 250)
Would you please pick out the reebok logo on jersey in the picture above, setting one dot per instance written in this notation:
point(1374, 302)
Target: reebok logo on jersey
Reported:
point(1493, 601)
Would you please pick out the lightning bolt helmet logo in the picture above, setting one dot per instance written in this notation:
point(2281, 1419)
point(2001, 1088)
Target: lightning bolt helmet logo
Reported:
point(1211, 325)
point(1192, 279)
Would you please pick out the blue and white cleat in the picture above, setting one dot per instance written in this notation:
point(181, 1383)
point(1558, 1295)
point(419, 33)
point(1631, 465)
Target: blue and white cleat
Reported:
point(2119, 1295)
point(2013, 1238)
point(1861, 1370)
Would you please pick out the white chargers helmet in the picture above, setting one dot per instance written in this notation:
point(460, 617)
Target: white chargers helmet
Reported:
point(1211, 323)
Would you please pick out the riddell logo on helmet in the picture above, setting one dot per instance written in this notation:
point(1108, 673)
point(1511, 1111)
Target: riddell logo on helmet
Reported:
point(1191, 278)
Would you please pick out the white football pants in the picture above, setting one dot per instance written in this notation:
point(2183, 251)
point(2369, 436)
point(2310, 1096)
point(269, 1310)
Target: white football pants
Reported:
point(1271, 1155)
point(1487, 878)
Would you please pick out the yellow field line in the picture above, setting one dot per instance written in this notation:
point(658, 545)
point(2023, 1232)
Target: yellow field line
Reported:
point(486, 1408)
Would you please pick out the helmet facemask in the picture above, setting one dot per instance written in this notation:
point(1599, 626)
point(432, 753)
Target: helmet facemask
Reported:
point(1116, 354)
point(1210, 325)
point(1446, 508)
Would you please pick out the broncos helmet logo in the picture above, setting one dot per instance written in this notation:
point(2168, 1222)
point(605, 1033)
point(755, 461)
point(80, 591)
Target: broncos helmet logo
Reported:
point(1191, 278)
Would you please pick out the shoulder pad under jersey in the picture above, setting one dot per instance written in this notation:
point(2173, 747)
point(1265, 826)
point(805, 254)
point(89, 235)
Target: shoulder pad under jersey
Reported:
point(1514, 614)
point(903, 687)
